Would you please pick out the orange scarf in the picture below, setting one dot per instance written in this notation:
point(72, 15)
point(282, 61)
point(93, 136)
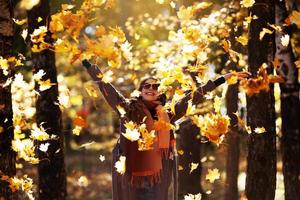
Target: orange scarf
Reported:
point(147, 165)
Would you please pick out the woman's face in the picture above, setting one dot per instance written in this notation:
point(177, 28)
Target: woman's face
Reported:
point(149, 90)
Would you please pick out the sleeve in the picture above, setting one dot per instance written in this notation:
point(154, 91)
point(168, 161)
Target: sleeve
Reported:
point(182, 105)
point(110, 93)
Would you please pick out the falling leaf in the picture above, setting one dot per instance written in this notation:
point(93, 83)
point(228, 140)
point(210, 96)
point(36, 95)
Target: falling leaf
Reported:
point(259, 130)
point(87, 144)
point(20, 22)
point(243, 39)
point(45, 85)
point(83, 181)
point(28, 4)
point(295, 18)
point(91, 90)
point(263, 32)
point(106, 77)
point(147, 139)
point(160, 1)
point(79, 121)
point(173, 4)
point(44, 147)
point(120, 165)
point(67, 6)
point(226, 45)
point(276, 27)
point(77, 130)
point(217, 104)
point(39, 19)
point(212, 175)
point(24, 34)
point(135, 93)
point(191, 108)
point(247, 3)
point(193, 197)
point(193, 166)
point(39, 133)
point(101, 158)
point(180, 152)
point(121, 110)
point(126, 50)
point(297, 63)
point(213, 126)
point(180, 168)
point(285, 40)
point(132, 133)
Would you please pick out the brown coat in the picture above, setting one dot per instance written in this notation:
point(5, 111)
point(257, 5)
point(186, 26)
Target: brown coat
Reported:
point(122, 189)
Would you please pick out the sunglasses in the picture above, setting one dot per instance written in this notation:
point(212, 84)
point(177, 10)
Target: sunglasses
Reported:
point(153, 86)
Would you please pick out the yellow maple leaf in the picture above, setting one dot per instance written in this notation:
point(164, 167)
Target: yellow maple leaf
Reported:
point(191, 108)
point(193, 166)
point(217, 104)
point(132, 133)
point(263, 32)
point(91, 90)
point(243, 39)
point(45, 85)
point(247, 3)
point(77, 130)
point(120, 165)
point(147, 139)
point(193, 197)
point(212, 175)
point(213, 126)
point(20, 22)
point(83, 181)
point(285, 40)
point(28, 4)
point(100, 31)
point(180, 152)
point(260, 130)
point(39, 133)
point(185, 14)
point(295, 18)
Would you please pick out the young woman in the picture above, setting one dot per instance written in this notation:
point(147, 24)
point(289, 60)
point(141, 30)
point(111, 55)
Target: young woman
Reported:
point(149, 172)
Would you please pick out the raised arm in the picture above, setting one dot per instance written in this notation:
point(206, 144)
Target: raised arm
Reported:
point(111, 94)
point(182, 105)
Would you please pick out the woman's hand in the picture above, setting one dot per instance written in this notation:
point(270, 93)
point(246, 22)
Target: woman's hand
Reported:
point(240, 75)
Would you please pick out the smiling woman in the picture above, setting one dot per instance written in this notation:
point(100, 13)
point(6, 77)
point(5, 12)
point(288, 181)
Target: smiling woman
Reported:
point(150, 156)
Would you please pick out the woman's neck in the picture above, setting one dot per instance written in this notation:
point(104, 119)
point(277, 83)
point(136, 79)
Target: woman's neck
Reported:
point(149, 104)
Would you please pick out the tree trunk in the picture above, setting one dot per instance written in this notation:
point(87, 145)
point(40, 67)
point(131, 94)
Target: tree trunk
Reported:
point(52, 174)
point(290, 109)
point(232, 162)
point(7, 155)
point(233, 149)
point(188, 142)
point(261, 166)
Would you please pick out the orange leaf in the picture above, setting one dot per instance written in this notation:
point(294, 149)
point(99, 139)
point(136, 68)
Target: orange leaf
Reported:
point(79, 121)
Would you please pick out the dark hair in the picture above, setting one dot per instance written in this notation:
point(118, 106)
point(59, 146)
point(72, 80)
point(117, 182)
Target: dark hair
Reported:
point(144, 80)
